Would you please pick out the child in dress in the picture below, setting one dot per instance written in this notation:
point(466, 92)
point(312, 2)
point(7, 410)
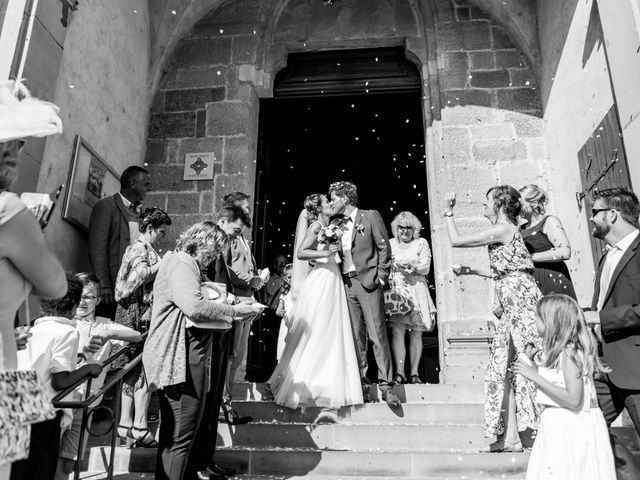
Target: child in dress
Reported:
point(573, 440)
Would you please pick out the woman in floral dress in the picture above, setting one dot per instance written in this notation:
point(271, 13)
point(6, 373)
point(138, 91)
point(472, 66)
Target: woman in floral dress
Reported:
point(517, 294)
point(411, 263)
point(133, 293)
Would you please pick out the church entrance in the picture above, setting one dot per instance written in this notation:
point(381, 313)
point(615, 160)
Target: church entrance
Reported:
point(349, 115)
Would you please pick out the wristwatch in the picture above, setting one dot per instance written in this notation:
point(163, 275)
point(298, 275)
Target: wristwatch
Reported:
point(448, 213)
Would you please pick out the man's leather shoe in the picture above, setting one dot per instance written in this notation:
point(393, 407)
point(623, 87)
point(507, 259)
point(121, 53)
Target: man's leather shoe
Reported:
point(392, 400)
point(208, 474)
point(215, 468)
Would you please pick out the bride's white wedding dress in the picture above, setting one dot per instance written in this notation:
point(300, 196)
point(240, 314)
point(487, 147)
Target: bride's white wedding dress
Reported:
point(319, 366)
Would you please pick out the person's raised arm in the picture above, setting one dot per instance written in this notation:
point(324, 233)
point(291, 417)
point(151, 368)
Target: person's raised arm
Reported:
point(25, 247)
point(498, 233)
point(306, 251)
point(558, 237)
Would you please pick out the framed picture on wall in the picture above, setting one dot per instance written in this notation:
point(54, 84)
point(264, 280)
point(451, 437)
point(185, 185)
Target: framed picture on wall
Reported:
point(90, 179)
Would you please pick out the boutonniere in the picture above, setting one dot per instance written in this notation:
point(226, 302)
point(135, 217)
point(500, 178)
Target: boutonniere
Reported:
point(360, 229)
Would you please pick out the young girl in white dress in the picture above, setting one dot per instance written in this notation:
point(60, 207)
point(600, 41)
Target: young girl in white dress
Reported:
point(573, 440)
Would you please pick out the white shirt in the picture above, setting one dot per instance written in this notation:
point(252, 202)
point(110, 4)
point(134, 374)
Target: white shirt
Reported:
point(610, 263)
point(100, 326)
point(52, 348)
point(134, 227)
point(347, 240)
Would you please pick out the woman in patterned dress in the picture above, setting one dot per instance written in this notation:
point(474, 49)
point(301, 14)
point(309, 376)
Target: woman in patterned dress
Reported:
point(517, 293)
point(411, 263)
point(133, 293)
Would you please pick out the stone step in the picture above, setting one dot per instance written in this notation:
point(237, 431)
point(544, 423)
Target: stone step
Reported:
point(371, 413)
point(150, 476)
point(418, 393)
point(396, 437)
point(320, 464)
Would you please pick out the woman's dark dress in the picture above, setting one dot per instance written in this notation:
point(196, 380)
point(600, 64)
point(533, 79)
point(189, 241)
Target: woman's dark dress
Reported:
point(551, 277)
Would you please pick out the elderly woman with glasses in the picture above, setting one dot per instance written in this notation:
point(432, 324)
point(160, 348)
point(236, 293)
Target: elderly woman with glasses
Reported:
point(177, 353)
point(411, 264)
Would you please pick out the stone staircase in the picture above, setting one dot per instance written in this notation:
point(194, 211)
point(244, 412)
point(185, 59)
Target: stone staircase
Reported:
point(435, 434)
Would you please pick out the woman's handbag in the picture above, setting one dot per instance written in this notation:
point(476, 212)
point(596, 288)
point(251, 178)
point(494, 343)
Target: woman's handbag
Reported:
point(396, 302)
point(23, 401)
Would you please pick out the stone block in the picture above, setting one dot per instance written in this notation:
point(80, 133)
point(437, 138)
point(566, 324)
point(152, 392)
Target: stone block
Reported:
point(450, 37)
point(200, 77)
point(522, 78)
point(482, 60)
point(167, 178)
point(192, 99)
point(478, 14)
point(466, 97)
point(519, 99)
point(202, 51)
point(157, 106)
point(244, 49)
point(445, 12)
point(158, 200)
point(457, 145)
point(238, 155)
point(463, 14)
point(161, 151)
point(476, 35)
point(490, 79)
point(509, 59)
point(207, 206)
point(526, 125)
point(487, 132)
point(228, 118)
point(172, 125)
point(200, 145)
point(225, 184)
point(520, 173)
point(537, 148)
point(500, 38)
point(470, 183)
point(201, 123)
point(179, 223)
point(183, 203)
point(455, 70)
point(468, 115)
point(499, 150)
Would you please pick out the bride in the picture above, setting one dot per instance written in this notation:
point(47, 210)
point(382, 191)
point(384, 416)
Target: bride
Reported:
point(319, 365)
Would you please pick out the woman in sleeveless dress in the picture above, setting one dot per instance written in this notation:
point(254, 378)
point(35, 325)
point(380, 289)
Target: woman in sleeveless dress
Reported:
point(547, 243)
point(319, 366)
point(511, 268)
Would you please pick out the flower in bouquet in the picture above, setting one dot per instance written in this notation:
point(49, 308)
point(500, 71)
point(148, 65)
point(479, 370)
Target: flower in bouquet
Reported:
point(331, 235)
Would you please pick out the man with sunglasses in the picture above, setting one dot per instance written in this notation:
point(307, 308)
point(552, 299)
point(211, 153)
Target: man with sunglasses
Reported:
point(615, 313)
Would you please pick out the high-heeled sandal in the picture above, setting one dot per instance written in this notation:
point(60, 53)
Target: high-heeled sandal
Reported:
point(399, 379)
point(145, 440)
point(125, 435)
point(232, 418)
point(414, 379)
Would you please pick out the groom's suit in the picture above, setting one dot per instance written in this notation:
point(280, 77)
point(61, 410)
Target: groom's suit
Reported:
point(365, 268)
point(620, 323)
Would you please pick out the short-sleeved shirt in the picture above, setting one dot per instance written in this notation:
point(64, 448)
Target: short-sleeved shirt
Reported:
point(52, 348)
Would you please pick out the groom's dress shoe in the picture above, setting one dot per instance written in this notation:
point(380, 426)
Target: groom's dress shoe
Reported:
point(392, 400)
point(208, 474)
point(228, 472)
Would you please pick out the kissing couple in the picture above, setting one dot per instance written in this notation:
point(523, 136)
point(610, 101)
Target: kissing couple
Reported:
point(338, 304)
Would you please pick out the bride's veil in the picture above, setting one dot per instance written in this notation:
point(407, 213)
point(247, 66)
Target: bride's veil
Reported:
point(300, 267)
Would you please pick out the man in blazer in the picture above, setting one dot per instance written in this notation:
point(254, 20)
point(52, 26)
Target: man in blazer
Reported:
point(615, 312)
point(365, 269)
point(113, 226)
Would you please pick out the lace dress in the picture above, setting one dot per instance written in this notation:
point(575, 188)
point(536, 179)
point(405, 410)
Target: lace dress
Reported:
point(518, 294)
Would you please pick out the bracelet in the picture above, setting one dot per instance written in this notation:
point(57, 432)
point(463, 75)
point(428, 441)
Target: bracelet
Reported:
point(448, 213)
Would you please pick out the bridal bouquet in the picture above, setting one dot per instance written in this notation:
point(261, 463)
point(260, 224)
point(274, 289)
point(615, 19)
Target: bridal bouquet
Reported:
point(331, 235)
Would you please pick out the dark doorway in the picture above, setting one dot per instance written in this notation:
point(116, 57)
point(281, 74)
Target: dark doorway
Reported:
point(335, 131)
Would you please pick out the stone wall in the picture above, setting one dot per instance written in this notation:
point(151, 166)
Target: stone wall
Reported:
point(482, 124)
point(103, 96)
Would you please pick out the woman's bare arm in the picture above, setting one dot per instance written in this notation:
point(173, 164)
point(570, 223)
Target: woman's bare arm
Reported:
point(307, 250)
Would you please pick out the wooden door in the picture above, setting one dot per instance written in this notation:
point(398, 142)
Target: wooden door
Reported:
point(603, 164)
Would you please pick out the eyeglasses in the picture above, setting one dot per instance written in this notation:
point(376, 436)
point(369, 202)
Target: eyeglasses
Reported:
point(405, 229)
point(88, 298)
point(596, 211)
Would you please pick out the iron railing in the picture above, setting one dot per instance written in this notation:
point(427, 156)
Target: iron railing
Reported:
point(90, 398)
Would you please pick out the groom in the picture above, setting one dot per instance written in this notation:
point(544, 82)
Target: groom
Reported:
point(365, 268)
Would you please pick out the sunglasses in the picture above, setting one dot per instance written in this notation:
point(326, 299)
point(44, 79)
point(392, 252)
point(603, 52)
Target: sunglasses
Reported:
point(405, 229)
point(596, 211)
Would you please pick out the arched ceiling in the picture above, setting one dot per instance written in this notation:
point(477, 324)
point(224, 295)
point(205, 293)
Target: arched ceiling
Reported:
point(172, 19)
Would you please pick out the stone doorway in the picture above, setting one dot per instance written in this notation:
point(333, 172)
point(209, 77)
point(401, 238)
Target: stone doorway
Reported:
point(349, 115)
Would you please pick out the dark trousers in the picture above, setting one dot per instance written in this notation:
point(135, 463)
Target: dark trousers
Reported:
point(612, 401)
point(182, 408)
point(43, 452)
point(204, 445)
point(366, 309)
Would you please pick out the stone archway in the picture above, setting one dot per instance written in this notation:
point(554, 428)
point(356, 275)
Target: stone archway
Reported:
point(481, 118)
